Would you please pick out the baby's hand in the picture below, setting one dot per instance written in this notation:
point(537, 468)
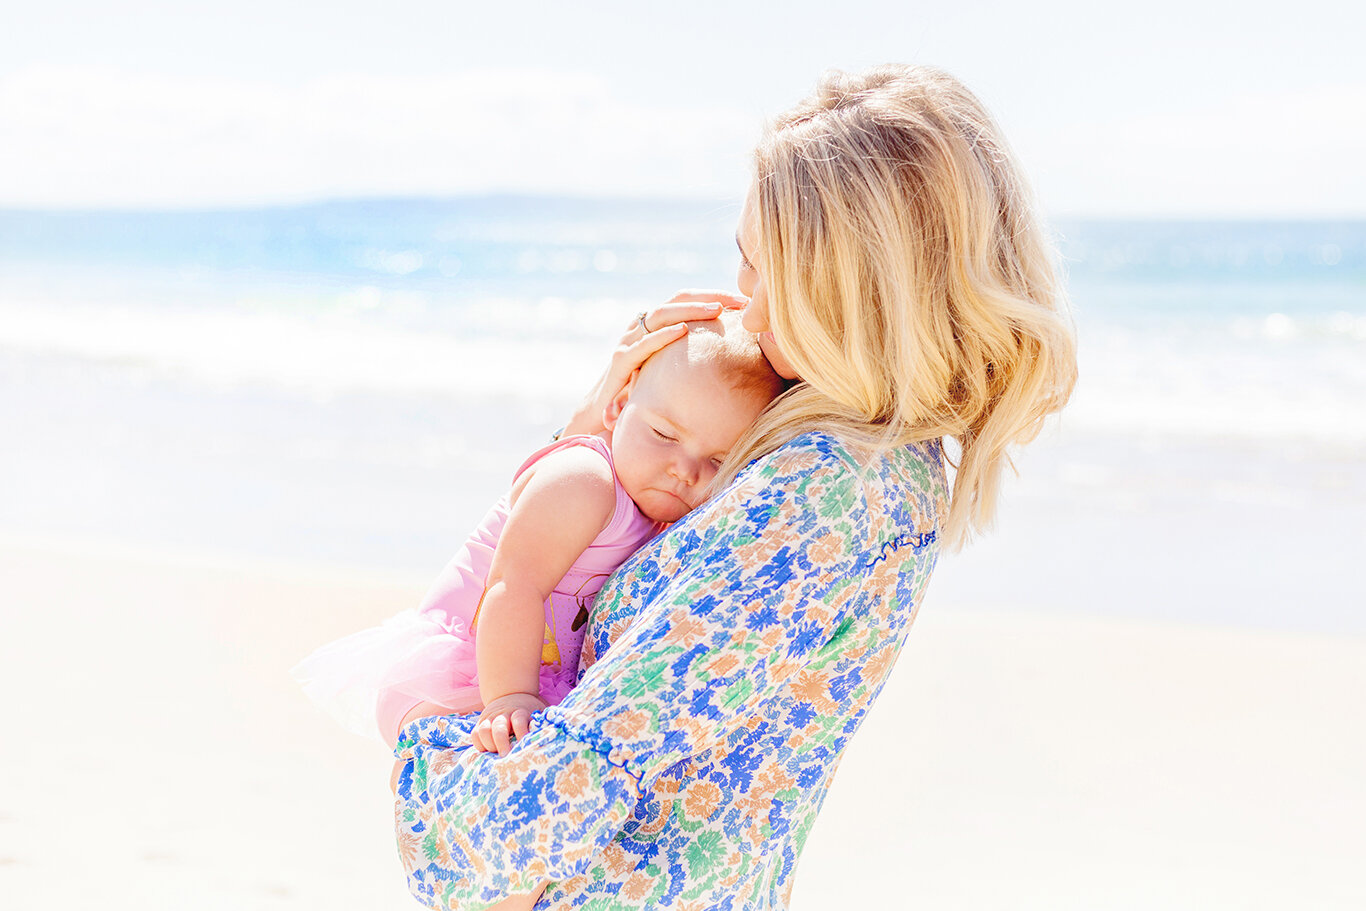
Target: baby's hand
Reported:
point(504, 720)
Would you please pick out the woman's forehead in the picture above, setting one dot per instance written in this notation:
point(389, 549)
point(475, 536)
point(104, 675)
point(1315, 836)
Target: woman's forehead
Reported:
point(747, 229)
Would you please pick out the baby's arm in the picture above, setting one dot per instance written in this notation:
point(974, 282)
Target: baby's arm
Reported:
point(556, 509)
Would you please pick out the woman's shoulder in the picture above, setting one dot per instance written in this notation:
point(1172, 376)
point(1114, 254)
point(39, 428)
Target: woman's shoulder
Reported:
point(818, 478)
point(820, 454)
point(830, 446)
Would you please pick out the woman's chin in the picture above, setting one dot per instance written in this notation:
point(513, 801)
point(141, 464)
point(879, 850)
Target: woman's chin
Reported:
point(769, 346)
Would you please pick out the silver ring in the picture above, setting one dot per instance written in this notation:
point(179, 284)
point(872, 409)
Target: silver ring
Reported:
point(640, 318)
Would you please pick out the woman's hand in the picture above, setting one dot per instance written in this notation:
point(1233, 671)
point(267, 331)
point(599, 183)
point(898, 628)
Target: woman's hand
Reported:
point(504, 720)
point(659, 326)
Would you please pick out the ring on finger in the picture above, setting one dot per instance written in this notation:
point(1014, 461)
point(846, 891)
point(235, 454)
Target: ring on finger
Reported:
point(640, 318)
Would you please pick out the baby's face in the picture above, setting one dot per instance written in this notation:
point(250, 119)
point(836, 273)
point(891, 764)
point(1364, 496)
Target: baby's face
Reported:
point(676, 424)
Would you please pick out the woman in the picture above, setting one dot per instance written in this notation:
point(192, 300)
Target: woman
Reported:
point(894, 268)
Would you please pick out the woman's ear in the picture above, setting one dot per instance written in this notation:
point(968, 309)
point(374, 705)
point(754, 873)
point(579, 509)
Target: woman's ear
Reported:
point(612, 413)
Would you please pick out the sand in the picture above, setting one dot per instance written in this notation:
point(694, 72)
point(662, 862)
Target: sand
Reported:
point(157, 755)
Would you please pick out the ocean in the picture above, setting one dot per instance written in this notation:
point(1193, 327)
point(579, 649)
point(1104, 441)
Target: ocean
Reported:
point(351, 383)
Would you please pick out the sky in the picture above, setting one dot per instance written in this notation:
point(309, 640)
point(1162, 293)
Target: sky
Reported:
point(1165, 109)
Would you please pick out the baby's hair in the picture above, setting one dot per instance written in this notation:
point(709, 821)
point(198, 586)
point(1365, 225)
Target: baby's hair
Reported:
point(725, 346)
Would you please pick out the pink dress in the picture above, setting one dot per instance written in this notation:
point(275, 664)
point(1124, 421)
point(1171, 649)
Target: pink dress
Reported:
point(371, 679)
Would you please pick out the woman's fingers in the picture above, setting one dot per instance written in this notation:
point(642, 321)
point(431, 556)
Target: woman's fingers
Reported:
point(629, 358)
point(651, 330)
point(683, 307)
point(703, 296)
point(634, 350)
point(676, 312)
point(689, 305)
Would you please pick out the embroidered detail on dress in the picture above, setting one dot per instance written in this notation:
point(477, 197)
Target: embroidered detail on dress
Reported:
point(917, 543)
point(682, 644)
point(595, 742)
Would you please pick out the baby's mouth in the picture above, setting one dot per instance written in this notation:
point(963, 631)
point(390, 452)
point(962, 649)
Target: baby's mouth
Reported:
point(680, 498)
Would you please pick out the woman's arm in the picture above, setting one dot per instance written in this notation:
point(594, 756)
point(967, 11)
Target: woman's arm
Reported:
point(746, 592)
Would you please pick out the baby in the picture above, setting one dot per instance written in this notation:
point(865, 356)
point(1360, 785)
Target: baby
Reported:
point(501, 630)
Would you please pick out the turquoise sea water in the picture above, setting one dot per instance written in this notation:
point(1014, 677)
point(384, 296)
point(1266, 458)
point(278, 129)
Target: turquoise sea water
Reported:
point(351, 382)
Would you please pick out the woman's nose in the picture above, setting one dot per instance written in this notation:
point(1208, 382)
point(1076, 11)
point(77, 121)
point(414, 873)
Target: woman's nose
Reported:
point(754, 318)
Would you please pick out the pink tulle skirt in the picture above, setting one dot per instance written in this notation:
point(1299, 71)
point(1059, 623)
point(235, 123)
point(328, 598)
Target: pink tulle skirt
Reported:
point(369, 680)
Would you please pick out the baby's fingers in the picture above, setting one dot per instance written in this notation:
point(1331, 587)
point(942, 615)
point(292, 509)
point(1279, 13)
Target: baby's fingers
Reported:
point(501, 735)
point(521, 723)
point(479, 737)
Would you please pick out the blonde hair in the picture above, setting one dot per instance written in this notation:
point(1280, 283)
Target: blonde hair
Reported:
point(910, 283)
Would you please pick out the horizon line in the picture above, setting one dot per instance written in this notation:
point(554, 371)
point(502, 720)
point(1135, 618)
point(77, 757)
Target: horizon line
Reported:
point(361, 199)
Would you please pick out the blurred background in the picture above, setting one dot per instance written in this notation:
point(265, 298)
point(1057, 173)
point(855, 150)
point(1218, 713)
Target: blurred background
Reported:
point(295, 287)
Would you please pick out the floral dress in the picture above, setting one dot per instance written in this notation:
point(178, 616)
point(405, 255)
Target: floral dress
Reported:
point(727, 664)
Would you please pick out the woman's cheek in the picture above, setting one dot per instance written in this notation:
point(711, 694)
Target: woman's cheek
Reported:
point(744, 280)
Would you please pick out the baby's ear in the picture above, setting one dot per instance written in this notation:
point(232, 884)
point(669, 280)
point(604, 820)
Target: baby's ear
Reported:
point(612, 413)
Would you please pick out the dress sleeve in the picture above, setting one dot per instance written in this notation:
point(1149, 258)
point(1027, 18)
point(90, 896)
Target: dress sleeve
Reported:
point(735, 600)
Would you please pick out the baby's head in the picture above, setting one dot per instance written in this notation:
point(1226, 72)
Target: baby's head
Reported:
point(674, 423)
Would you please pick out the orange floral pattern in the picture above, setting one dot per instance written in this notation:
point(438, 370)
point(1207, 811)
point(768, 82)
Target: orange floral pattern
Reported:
point(726, 666)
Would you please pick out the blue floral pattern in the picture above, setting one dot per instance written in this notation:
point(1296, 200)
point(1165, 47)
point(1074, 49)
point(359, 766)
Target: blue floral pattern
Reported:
point(726, 665)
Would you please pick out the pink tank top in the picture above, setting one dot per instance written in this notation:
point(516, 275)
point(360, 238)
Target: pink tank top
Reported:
point(443, 669)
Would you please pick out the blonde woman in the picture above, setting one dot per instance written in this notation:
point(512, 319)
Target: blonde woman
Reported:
point(896, 272)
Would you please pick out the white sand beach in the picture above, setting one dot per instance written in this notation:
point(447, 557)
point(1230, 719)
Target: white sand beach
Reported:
point(157, 755)
point(288, 291)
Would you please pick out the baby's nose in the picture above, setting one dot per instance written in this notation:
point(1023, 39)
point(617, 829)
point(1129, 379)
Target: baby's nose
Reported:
point(687, 470)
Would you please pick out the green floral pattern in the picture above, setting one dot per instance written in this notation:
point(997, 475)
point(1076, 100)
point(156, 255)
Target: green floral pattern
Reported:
point(726, 665)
